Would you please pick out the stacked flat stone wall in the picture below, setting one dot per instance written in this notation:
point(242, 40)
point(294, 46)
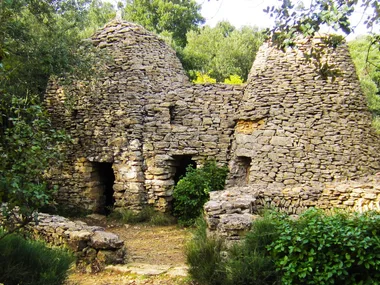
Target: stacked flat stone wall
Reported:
point(196, 121)
point(93, 247)
point(229, 213)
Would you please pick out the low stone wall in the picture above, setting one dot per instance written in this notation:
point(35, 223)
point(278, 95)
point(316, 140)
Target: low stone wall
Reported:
point(93, 246)
point(229, 213)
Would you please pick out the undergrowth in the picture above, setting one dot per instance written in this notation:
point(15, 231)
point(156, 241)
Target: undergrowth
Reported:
point(204, 256)
point(30, 262)
point(316, 248)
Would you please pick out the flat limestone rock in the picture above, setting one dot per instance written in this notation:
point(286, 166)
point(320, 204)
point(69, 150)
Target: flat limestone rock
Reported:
point(106, 240)
point(149, 269)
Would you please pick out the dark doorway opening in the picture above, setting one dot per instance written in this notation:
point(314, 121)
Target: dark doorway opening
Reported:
point(106, 178)
point(181, 162)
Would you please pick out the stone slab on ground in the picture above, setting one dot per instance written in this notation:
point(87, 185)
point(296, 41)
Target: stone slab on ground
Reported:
point(148, 269)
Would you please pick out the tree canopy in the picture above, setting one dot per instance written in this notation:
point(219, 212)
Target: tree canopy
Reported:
point(222, 51)
point(176, 17)
point(367, 61)
point(294, 18)
point(38, 39)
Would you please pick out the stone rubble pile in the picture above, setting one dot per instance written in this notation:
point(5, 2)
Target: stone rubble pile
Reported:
point(93, 247)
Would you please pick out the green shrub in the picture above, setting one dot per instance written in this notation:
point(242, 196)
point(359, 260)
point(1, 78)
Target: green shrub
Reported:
point(212, 263)
point(328, 249)
point(31, 262)
point(316, 248)
point(192, 191)
point(147, 215)
point(250, 262)
point(204, 257)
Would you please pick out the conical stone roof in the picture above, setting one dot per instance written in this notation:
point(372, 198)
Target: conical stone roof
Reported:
point(305, 121)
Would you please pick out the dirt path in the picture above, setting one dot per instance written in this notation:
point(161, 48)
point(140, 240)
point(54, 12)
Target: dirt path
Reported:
point(154, 245)
point(155, 256)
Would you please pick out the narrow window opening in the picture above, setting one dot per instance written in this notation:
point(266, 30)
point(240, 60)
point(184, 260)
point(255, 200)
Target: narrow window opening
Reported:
point(74, 114)
point(104, 177)
point(242, 170)
point(181, 162)
point(172, 114)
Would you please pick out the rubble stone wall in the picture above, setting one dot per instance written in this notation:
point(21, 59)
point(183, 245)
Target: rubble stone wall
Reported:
point(229, 213)
point(93, 247)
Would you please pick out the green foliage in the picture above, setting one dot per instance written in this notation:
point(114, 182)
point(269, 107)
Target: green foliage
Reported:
point(234, 79)
point(98, 14)
point(38, 39)
point(376, 123)
point(30, 262)
point(204, 256)
point(316, 248)
point(203, 78)
point(215, 175)
point(146, 215)
point(27, 146)
point(173, 16)
point(250, 261)
point(192, 191)
point(328, 249)
point(41, 38)
point(367, 61)
point(294, 19)
point(212, 263)
point(221, 51)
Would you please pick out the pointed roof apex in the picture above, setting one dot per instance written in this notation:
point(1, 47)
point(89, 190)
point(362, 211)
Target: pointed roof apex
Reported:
point(118, 16)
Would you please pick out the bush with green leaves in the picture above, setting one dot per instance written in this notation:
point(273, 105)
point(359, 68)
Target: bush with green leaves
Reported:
point(192, 191)
point(30, 262)
point(316, 248)
point(320, 248)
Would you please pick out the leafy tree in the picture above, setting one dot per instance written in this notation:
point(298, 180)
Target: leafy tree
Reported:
point(38, 39)
point(222, 51)
point(27, 146)
point(176, 17)
point(99, 13)
point(292, 20)
point(41, 38)
point(367, 61)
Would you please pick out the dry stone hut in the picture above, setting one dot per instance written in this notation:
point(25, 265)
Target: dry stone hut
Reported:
point(302, 139)
point(299, 124)
point(139, 123)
